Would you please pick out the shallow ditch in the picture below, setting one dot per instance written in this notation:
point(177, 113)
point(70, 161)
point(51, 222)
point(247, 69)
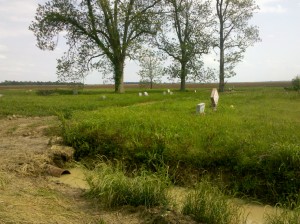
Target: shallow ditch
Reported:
point(255, 213)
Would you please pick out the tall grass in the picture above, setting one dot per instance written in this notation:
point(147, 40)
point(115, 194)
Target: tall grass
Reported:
point(284, 216)
point(113, 188)
point(207, 204)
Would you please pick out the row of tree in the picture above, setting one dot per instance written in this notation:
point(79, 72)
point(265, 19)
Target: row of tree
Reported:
point(36, 83)
point(102, 34)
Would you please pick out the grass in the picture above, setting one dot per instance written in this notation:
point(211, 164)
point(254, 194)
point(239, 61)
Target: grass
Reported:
point(251, 141)
point(207, 204)
point(113, 188)
point(284, 216)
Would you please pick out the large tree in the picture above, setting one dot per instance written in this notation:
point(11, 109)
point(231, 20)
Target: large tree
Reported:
point(185, 35)
point(99, 33)
point(235, 34)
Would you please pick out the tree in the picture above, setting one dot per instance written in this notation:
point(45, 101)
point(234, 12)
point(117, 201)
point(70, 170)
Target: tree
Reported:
point(235, 35)
point(151, 67)
point(100, 34)
point(185, 35)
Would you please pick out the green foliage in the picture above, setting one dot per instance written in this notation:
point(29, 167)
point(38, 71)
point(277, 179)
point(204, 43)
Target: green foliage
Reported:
point(207, 204)
point(113, 188)
point(296, 83)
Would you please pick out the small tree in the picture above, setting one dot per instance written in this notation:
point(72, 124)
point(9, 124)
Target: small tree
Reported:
point(151, 68)
point(296, 83)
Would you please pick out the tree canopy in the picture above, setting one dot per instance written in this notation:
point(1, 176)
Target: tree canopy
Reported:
point(185, 36)
point(100, 34)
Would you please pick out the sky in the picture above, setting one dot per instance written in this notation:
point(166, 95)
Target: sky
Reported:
point(275, 58)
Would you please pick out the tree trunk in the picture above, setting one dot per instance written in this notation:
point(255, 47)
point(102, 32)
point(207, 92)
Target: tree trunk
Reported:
point(182, 76)
point(222, 72)
point(119, 75)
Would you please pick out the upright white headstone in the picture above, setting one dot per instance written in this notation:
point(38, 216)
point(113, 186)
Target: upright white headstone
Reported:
point(214, 97)
point(140, 94)
point(200, 108)
point(169, 91)
point(146, 94)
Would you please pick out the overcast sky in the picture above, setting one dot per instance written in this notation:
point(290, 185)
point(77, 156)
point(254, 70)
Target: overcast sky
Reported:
point(276, 58)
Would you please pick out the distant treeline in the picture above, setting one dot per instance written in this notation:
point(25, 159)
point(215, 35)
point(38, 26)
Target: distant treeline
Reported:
point(36, 83)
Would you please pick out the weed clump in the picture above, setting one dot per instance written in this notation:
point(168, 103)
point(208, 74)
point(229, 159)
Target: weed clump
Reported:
point(113, 188)
point(208, 204)
point(284, 216)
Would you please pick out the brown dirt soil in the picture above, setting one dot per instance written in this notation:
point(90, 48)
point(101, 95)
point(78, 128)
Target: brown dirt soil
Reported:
point(28, 196)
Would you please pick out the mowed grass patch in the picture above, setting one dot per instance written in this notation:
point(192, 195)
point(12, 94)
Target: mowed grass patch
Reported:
point(252, 139)
point(32, 103)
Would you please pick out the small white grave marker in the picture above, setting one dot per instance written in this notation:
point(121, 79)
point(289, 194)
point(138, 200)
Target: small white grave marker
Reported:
point(164, 93)
point(169, 91)
point(214, 97)
point(146, 94)
point(140, 94)
point(200, 108)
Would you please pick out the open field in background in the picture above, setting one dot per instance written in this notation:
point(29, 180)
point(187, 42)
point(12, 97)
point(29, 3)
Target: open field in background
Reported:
point(249, 146)
point(161, 86)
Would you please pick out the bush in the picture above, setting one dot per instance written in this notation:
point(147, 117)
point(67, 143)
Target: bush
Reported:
point(296, 83)
point(113, 188)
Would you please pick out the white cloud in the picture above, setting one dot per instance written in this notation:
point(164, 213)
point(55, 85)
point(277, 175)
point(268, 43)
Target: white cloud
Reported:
point(271, 6)
point(15, 17)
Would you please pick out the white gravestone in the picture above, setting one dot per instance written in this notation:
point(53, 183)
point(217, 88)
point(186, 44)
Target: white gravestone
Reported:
point(164, 93)
point(200, 108)
point(140, 94)
point(146, 94)
point(214, 97)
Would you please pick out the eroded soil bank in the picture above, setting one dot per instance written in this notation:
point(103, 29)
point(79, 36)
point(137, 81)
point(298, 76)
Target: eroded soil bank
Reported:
point(29, 195)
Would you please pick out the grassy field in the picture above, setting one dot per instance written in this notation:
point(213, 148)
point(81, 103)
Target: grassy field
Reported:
point(249, 146)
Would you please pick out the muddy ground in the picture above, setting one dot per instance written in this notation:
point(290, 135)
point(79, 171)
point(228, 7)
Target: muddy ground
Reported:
point(28, 195)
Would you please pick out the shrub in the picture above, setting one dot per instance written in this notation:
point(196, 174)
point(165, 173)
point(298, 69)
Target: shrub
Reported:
point(113, 188)
point(207, 204)
point(296, 83)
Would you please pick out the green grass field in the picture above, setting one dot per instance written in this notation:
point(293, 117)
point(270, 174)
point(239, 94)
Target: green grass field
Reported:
point(250, 145)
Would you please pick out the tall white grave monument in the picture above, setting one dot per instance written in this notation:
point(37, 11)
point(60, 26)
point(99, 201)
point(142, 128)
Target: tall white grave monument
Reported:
point(214, 97)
